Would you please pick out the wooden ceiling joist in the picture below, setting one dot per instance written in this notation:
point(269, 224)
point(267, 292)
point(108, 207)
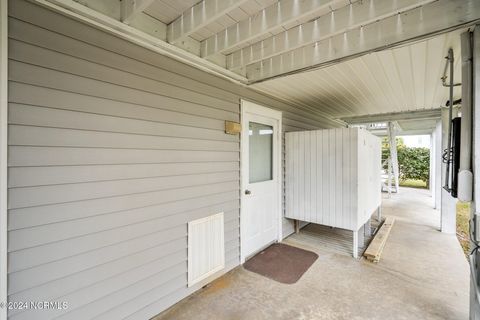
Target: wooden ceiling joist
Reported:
point(129, 9)
point(287, 37)
point(199, 16)
point(335, 22)
point(415, 24)
point(270, 18)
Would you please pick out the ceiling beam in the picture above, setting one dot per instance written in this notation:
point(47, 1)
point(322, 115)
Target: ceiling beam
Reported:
point(395, 116)
point(130, 9)
point(113, 9)
point(416, 24)
point(113, 26)
point(333, 23)
point(270, 18)
point(198, 16)
point(416, 132)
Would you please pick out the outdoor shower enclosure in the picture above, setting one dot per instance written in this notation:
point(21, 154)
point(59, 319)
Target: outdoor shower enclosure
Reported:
point(333, 177)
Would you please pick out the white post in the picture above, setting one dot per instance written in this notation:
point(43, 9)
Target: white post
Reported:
point(355, 244)
point(437, 144)
point(431, 175)
point(474, 302)
point(433, 163)
point(389, 181)
point(465, 175)
point(393, 154)
point(3, 152)
point(448, 207)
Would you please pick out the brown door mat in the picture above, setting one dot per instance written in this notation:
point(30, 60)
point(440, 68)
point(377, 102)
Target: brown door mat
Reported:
point(282, 263)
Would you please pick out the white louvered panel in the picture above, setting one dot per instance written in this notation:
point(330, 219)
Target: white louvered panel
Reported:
point(206, 247)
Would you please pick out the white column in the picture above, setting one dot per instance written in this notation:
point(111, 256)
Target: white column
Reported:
point(474, 303)
point(393, 154)
point(465, 175)
point(436, 177)
point(476, 119)
point(431, 174)
point(448, 203)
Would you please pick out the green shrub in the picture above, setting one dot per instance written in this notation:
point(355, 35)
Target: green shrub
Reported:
point(413, 163)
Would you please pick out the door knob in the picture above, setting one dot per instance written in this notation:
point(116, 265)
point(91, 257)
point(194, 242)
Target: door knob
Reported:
point(248, 192)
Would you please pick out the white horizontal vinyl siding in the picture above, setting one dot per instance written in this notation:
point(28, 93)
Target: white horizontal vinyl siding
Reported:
point(112, 150)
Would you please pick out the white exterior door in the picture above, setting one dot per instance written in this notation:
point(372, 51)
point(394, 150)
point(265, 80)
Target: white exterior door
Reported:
point(261, 184)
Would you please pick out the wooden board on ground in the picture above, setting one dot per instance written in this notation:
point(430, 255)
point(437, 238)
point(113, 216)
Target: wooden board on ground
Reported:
point(374, 250)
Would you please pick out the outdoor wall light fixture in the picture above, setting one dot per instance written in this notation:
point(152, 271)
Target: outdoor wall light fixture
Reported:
point(232, 127)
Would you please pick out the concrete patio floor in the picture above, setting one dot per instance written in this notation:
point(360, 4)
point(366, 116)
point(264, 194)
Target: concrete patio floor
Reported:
point(423, 274)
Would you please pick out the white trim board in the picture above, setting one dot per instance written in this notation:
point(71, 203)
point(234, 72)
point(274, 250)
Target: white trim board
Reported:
point(3, 152)
point(255, 109)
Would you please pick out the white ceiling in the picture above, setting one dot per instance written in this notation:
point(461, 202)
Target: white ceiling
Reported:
point(301, 51)
point(402, 79)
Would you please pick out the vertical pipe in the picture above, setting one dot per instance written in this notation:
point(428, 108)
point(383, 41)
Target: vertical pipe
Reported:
point(450, 110)
point(465, 176)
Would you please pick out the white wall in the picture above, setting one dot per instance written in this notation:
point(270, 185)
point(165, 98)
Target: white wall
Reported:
point(112, 150)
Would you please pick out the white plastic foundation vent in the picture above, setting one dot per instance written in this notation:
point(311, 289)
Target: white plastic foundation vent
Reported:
point(206, 247)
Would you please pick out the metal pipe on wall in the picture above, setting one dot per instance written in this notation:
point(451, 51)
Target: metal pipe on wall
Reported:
point(450, 111)
point(465, 176)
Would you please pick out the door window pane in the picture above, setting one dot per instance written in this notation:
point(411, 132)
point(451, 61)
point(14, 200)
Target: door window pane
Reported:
point(260, 152)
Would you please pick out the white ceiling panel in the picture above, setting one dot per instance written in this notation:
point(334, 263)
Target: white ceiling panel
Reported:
point(401, 79)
